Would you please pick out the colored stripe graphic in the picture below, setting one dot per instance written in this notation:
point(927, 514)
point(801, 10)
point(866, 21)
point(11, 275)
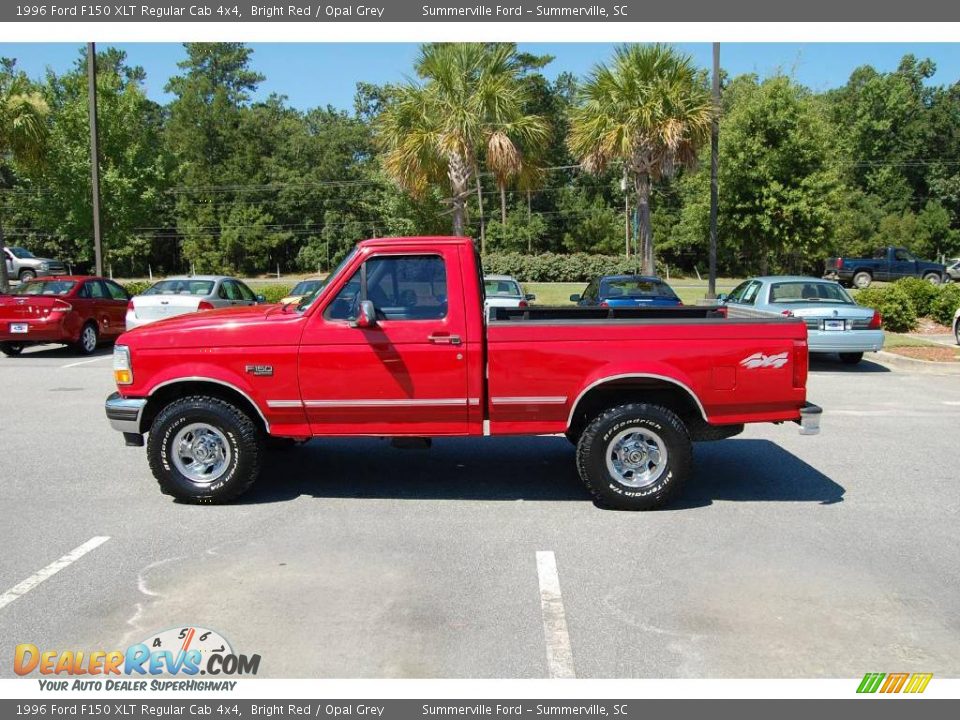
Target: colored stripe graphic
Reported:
point(894, 682)
point(870, 682)
point(918, 682)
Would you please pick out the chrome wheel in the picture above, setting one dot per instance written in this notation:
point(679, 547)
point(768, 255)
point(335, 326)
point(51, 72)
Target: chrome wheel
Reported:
point(201, 453)
point(636, 457)
point(88, 339)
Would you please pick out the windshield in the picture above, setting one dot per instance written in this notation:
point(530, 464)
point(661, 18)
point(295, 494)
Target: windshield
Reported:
point(181, 287)
point(501, 288)
point(21, 253)
point(304, 287)
point(635, 287)
point(808, 292)
point(44, 287)
point(308, 300)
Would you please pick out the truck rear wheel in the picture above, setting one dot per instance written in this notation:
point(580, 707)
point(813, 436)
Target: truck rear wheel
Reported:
point(635, 456)
point(204, 450)
point(862, 280)
point(933, 278)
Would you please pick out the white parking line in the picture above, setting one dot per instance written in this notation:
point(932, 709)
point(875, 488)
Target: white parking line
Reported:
point(84, 362)
point(559, 652)
point(50, 570)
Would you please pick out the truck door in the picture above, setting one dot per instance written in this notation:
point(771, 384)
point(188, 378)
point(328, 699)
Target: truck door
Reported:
point(407, 374)
point(903, 264)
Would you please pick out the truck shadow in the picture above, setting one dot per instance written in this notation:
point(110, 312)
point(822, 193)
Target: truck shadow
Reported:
point(529, 468)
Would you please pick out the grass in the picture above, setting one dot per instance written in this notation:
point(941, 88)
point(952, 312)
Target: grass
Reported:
point(895, 340)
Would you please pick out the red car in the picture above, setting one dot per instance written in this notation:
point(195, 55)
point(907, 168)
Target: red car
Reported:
point(77, 310)
point(396, 344)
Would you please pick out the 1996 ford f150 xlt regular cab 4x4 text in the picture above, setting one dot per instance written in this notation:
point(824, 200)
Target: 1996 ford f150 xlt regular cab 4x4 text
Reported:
point(396, 345)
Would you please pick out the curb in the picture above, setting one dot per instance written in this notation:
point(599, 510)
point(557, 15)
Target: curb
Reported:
point(900, 362)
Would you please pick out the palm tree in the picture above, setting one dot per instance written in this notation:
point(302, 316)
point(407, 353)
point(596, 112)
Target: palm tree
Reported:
point(470, 104)
point(23, 131)
point(651, 112)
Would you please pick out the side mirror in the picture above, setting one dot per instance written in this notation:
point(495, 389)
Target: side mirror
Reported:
point(530, 297)
point(722, 298)
point(575, 298)
point(366, 315)
point(261, 299)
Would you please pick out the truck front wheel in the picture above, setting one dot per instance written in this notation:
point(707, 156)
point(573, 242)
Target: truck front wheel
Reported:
point(635, 456)
point(204, 450)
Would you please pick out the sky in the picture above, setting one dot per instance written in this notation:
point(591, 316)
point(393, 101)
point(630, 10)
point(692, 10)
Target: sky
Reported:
point(321, 74)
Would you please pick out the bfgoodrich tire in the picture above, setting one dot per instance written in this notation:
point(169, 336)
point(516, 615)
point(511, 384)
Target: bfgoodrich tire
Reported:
point(635, 456)
point(204, 450)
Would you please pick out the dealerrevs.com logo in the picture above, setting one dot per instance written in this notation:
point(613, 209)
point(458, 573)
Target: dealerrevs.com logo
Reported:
point(888, 683)
point(185, 652)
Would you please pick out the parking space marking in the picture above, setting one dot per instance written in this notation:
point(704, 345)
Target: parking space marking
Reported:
point(559, 652)
point(50, 570)
point(84, 362)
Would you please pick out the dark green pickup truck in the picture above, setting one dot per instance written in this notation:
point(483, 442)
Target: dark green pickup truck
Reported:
point(889, 263)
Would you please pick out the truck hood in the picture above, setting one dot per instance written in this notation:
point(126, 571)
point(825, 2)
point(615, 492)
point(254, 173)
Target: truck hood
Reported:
point(249, 326)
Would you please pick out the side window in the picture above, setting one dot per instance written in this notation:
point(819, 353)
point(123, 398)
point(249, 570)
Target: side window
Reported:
point(400, 288)
point(222, 290)
point(93, 289)
point(904, 255)
point(750, 294)
point(245, 292)
point(116, 292)
point(591, 292)
point(737, 292)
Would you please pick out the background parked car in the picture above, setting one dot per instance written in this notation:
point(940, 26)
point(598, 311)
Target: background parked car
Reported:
point(953, 269)
point(504, 291)
point(956, 326)
point(179, 295)
point(627, 291)
point(78, 310)
point(24, 265)
point(301, 290)
point(835, 323)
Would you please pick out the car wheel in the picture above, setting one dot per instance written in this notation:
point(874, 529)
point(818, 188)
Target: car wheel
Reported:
point(851, 358)
point(89, 338)
point(932, 278)
point(635, 456)
point(956, 332)
point(204, 450)
point(862, 280)
point(11, 349)
point(26, 275)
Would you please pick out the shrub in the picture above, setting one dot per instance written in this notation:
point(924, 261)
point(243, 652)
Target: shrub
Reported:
point(554, 267)
point(946, 304)
point(137, 287)
point(922, 294)
point(894, 305)
point(273, 293)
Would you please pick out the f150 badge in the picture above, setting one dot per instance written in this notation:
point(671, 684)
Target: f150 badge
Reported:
point(759, 360)
point(264, 370)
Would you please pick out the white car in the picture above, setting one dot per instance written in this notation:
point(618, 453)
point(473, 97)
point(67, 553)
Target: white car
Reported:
point(179, 295)
point(504, 291)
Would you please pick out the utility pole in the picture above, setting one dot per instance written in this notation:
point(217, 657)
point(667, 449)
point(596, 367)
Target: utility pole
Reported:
point(714, 183)
point(94, 154)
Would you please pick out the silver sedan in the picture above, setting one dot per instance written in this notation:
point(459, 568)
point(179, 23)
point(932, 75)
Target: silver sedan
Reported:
point(835, 323)
point(179, 295)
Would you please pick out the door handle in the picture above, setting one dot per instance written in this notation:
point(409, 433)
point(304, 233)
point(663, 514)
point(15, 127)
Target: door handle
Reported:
point(444, 339)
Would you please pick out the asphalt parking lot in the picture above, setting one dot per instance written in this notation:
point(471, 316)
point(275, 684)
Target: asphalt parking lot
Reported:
point(788, 556)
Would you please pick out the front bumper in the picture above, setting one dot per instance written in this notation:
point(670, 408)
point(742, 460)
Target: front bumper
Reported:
point(124, 414)
point(809, 421)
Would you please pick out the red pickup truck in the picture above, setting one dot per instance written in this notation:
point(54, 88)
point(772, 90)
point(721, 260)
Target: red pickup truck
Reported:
point(396, 345)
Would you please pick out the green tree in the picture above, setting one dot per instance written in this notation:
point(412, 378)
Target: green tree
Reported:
point(470, 102)
point(23, 131)
point(650, 111)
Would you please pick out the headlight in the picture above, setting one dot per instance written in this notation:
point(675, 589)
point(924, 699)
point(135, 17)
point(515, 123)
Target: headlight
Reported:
point(122, 370)
point(44, 266)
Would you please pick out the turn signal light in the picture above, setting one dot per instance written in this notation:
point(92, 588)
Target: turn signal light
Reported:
point(61, 306)
point(839, 263)
point(204, 305)
point(130, 305)
point(523, 304)
point(876, 322)
point(788, 313)
point(122, 377)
